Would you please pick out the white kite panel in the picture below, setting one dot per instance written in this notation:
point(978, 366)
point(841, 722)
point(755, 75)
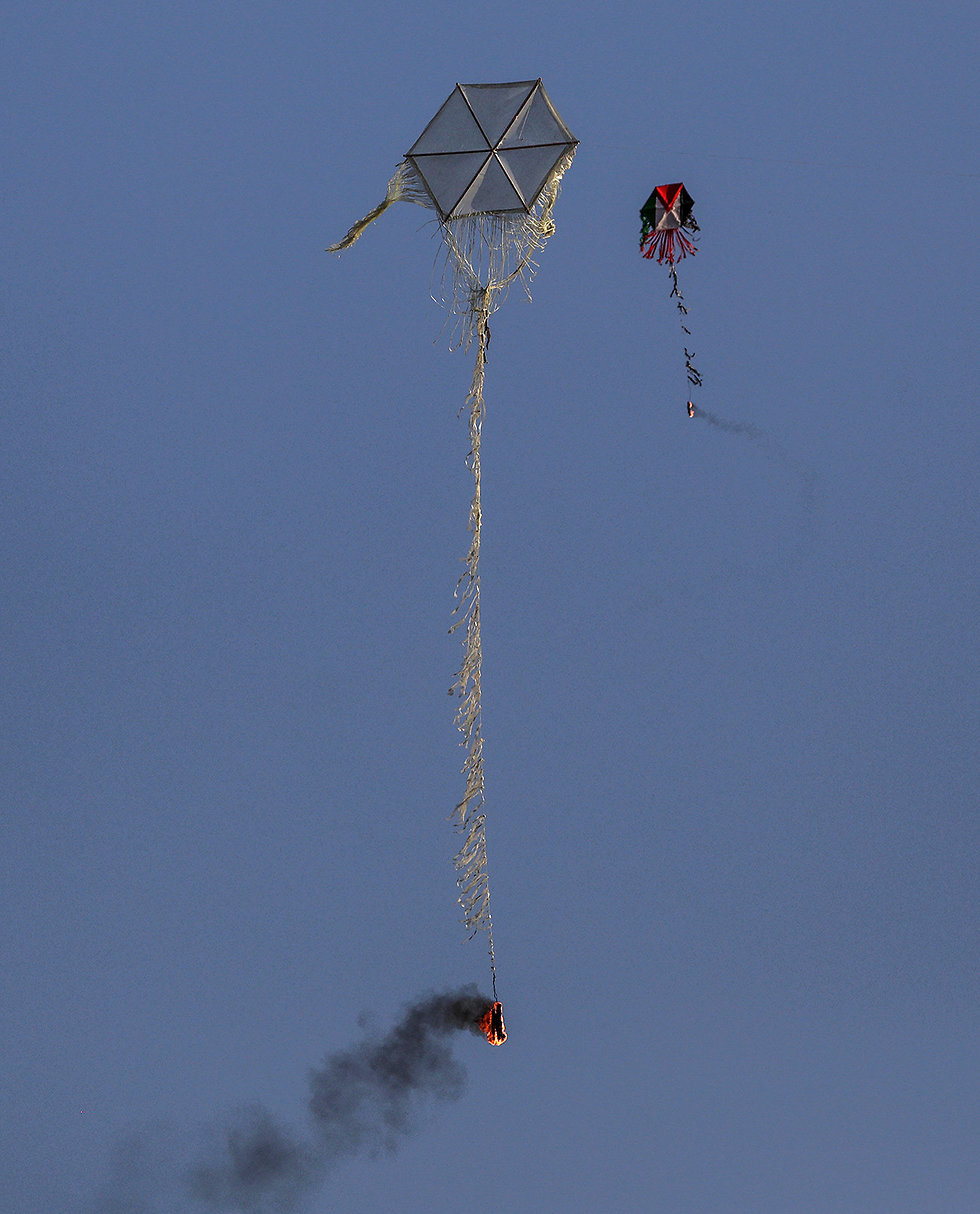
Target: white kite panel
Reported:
point(536, 123)
point(529, 167)
point(454, 129)
point(449, 175)
point(491, 191)
point(495, 105)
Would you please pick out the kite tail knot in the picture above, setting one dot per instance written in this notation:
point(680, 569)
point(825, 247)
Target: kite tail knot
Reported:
point(481, 302)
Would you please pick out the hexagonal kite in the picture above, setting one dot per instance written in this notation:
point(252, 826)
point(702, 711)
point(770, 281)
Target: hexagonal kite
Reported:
point(490, 165)
point(490, 149)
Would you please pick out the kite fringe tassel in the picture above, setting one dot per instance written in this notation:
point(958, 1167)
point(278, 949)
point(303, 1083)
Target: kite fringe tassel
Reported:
point(405, 186)
point(487, 253)
point(669, 245)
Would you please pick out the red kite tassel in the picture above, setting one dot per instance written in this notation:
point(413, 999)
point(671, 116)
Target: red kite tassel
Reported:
point(668, 245)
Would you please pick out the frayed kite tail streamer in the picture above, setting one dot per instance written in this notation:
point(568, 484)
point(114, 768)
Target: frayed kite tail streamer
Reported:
point(404, 186)
point(470, 821)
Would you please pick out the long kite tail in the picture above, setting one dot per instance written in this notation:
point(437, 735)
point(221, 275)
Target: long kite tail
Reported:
point(471, 859)
point(693, 374)
point(486, 255)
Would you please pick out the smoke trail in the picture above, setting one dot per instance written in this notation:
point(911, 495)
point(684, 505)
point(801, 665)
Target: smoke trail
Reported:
point(722, 423)
point(255, 1165)
point(801, 523)
point(362, 1100)
point(762, 438)
point(809, 486)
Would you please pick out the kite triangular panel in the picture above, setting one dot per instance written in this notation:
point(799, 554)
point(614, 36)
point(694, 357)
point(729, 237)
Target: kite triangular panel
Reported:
point(448, 175)
point(530, 167)
point(495, 105)
point(454, 129)
point(537, 122)
point(491, 191)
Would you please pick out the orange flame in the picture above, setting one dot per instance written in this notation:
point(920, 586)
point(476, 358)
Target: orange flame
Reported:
point(492, 1024)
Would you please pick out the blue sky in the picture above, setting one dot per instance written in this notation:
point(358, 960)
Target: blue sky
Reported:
point(730, 678)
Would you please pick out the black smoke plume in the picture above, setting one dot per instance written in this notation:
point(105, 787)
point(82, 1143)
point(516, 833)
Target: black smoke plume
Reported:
point(362, 1101)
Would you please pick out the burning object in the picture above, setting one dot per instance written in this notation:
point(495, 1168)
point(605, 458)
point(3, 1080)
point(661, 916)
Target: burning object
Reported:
point(492, 1024)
